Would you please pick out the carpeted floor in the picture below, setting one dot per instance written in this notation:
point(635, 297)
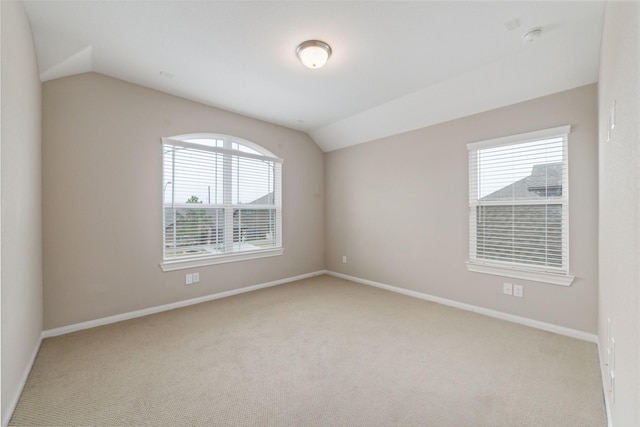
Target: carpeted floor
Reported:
point(319, 352)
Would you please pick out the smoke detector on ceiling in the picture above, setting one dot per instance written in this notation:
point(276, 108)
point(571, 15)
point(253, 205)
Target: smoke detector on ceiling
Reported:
point(532, 35)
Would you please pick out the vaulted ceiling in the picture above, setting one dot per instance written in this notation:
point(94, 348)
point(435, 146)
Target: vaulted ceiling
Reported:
point(396, 66)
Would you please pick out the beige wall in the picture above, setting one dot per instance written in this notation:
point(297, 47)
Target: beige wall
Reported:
point(102, 199)
point(21, 214)
point(397, 208)
point(620, 207)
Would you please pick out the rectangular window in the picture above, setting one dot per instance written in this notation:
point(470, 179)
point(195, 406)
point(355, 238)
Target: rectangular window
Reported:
point(221, 202)
point(519, 205)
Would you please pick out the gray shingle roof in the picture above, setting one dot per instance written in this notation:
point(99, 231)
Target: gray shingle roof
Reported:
point(545, 181)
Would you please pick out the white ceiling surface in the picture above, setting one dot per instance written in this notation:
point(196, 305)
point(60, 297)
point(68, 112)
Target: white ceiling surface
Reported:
point(396, 66)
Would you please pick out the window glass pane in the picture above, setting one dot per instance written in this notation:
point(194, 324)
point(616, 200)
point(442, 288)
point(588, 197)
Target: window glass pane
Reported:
point(216, 202)
point(209, 142)
point(192, 176)
point(518, 202)
point(253, 181)
point(255, 227)
point(243, 148)
point(193, 231)
point(524, 171)
point(524, 234)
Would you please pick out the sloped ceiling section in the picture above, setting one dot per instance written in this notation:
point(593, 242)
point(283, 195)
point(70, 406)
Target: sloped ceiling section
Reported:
point(396, 66)
point(78, 63)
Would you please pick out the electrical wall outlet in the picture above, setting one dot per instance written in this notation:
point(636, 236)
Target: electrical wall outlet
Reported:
point(507, 288)
point(613, 354)
point(612, 116)
point(612, 386)
point(188, 279)
point(196, 277)
point(518, 291)
point(344, 259)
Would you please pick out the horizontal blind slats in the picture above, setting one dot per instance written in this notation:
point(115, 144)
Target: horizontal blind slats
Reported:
point(517, 200)
point(218, 200)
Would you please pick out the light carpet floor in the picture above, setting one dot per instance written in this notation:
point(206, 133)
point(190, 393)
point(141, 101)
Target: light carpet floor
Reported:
point(318, 352)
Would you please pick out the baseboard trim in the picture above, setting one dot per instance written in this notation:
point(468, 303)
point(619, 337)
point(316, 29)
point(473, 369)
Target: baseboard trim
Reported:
point(6, 416)
point(152, 310)
point(549, 327)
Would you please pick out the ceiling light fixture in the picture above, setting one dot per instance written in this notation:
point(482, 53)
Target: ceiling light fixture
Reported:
point(313, 53)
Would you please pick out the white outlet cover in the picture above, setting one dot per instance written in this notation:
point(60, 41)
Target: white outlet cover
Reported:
point(612, 116)
point(518, 291)
point(507, 288)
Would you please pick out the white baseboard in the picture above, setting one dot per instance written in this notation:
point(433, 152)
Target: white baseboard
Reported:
point(152, 310)
point(549, 327)
point(8, 411)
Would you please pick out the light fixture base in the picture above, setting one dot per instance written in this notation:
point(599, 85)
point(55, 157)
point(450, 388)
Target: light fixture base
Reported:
point(313, 53)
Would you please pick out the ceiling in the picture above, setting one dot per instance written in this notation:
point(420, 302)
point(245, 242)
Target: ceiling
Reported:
point(396, 66)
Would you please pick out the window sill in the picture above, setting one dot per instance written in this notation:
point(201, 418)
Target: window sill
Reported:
point(219, 259)
point(536, 276)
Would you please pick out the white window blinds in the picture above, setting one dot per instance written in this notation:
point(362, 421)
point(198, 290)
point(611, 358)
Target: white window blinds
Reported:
point(518, 201)
point(221, 196)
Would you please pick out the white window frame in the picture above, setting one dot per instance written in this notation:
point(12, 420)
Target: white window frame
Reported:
point(229, 153)
point(557, 276)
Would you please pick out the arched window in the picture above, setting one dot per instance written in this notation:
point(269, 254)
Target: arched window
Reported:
point(222, 201)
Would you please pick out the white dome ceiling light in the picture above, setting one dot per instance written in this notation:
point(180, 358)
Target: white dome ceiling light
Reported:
point(313, 53)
